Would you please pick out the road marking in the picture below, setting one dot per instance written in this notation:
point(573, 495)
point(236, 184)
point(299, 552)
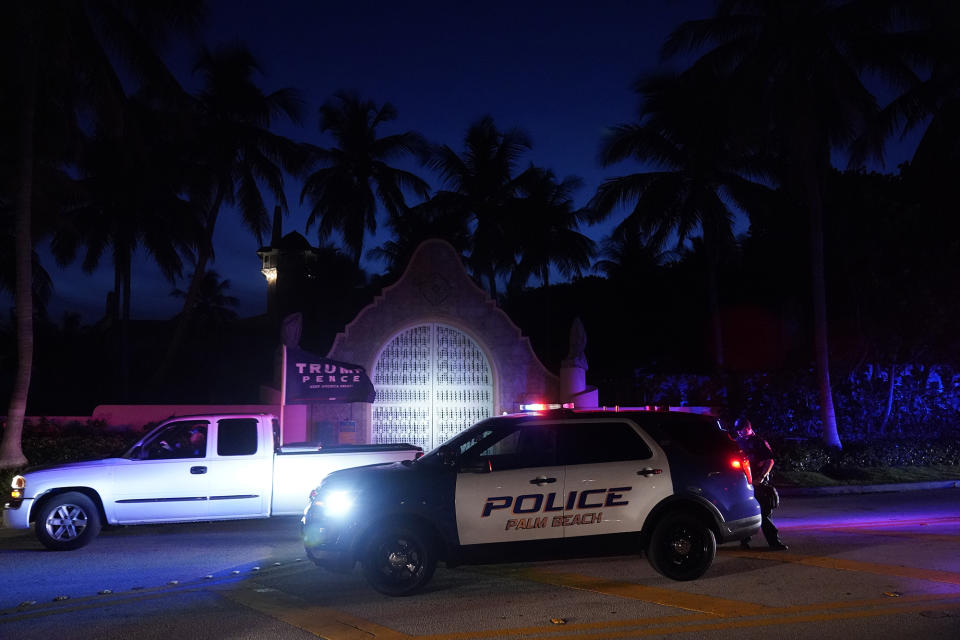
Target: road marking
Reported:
point(712, 605)
point(777, 621)
point(840, 564)
point(877, 529)
point(873, 524)
point(322, 622)
point(913, 535)
point(568, 628)
point(698, 624)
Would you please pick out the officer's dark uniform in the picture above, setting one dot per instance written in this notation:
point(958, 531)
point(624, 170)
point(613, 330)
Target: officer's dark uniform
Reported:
point(757, 451)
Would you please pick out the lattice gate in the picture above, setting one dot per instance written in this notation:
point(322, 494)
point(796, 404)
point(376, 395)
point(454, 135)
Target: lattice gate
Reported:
point(432, 382)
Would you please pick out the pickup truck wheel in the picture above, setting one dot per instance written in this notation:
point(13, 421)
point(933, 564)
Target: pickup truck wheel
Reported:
point(67, 521)
point(399, 561)
point(681, 547)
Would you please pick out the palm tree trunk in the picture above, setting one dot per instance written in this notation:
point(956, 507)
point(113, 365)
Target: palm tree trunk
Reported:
point(889, 408)
point(193, 293)
point(492, 280)
point(710, 247)
point(125, 327)
point(821, 346)
point(11, 452)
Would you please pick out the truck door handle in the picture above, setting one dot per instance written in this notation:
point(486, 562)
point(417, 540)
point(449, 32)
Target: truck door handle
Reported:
point(649, 472)
point(541, 480)
point(198, 470)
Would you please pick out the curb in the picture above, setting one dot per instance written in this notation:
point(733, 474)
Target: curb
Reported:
point(869, 488)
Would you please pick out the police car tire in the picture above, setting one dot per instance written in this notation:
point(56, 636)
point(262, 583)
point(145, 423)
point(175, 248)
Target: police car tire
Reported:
point(399, 560)
point(681, 547)
point(67, 521)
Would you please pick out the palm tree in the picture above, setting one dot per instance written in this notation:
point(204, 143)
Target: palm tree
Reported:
point(355, 174)
point(430, 219)
point(483, 189)
point(628, 258)
point(931, 104)
point(795, 66)
point(131, 178)
point(56, 57)
point(683, 130)
point(546, 225)
point(235, 153)
point(214, 304)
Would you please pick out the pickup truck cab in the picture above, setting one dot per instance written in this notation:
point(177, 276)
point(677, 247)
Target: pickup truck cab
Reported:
point(191, 468)
point(669, 484)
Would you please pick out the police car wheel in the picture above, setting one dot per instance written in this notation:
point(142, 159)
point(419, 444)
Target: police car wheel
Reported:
point(681, 547)
point(399, 561)
point(67, 521)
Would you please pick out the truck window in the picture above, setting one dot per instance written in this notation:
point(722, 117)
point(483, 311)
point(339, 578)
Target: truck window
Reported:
point(186, 439)
point(593, 442)
point(237, 437)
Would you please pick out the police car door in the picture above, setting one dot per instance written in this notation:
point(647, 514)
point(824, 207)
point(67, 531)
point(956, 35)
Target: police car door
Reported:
point(510, 485)
point(615, 474)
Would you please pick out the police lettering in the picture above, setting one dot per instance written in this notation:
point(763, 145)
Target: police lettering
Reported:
point(531, 503)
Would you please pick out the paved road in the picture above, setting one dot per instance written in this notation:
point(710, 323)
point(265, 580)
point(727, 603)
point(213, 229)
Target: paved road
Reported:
point(859, 566)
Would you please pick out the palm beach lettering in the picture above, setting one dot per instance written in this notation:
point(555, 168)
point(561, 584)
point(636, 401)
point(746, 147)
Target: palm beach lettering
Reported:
point(536, 503)
point(326, 372)
point(556, 521)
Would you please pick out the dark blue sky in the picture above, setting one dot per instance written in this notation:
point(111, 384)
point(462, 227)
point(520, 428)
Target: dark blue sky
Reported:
point(562, 71)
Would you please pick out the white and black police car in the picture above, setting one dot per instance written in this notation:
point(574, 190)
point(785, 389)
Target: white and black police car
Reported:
point(670, 484)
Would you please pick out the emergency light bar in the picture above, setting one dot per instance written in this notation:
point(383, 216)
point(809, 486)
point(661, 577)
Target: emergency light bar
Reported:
point(545, 407)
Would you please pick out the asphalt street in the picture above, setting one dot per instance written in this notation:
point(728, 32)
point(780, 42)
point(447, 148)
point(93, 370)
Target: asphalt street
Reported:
point(865, 565)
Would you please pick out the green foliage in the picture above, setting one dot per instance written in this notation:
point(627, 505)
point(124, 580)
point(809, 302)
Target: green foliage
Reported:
point(801, 455)
point(45, 442)
point(897, 453)
point(925, 404)
point(812, 456)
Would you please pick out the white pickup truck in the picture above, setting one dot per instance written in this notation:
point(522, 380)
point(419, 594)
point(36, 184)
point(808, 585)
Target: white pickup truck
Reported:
point(190, 468)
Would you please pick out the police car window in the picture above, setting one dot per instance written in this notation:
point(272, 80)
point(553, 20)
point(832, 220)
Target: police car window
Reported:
point(515, 447)
point(237, 437)
point(589, 443)
point(699, 435)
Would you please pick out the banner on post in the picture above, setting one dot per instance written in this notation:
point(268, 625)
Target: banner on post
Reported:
point(312, 378)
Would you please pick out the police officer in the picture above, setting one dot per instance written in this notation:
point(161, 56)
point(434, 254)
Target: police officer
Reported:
point(760, 456)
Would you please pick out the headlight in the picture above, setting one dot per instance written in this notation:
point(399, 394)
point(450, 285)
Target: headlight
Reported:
point(336, 503)
point(16, 492)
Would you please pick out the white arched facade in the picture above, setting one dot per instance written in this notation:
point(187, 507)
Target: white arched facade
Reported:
point(432, 381)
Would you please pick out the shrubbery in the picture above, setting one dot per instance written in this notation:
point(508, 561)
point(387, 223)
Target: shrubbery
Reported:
point(46, 442)
point(811, 455)
point(921, 428)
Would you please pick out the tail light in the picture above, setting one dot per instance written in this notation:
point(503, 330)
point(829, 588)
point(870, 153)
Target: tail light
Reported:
point(742, 464)
point(418, 455)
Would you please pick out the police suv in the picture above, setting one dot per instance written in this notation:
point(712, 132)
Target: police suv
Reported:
point(671, 484)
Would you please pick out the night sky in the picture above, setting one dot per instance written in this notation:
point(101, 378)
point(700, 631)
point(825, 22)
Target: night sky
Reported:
point(562, 71)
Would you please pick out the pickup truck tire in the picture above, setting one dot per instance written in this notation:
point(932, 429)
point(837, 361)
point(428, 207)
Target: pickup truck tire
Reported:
point(67, 521)
point(399, 560)
point(681, 547)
